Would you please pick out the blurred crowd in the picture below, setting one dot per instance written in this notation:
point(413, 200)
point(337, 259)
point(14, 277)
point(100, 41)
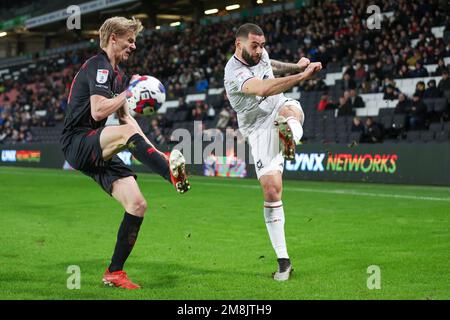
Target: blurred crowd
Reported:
point(192, 59)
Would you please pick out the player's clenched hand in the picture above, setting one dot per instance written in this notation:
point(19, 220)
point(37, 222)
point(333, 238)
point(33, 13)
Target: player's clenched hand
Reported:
point(312, 69)
point(303, 63)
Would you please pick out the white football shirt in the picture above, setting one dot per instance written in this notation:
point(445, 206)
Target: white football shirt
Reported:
point(252, 110)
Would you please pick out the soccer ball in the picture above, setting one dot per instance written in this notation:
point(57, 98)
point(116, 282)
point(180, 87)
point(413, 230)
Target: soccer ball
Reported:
point(145, 95)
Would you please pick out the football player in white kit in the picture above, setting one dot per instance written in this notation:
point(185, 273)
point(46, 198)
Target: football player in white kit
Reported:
point(271, 122)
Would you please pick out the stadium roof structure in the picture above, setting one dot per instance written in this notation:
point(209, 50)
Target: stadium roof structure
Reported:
point(33, 26)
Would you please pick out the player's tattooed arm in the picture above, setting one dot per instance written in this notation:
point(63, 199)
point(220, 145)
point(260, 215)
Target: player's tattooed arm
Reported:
point(279, 67)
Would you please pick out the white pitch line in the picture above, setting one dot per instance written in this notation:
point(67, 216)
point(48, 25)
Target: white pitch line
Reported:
point(341, 192)
point(294, 189)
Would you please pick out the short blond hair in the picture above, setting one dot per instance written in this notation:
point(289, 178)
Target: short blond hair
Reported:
point(119, 26)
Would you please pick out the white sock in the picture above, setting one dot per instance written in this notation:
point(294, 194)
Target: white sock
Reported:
point(296, 128)
point(274, 217)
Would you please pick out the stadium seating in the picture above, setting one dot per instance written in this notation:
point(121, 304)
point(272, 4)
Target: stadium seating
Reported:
point(60, 65)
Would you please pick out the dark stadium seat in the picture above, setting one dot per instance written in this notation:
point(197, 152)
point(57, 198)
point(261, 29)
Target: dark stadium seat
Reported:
point(214, 100)
point(383, 112)
point(354, 136)
point(398, 121)
point(442, 136)
point(413, 136)
point(386, 121)
point(429, 102)
point(436, 127)
point(181, 115)
point(427, 136)
point(440, 105)
point(446, 127)
point(342, 138)
point(447, 94)
point(341, 128)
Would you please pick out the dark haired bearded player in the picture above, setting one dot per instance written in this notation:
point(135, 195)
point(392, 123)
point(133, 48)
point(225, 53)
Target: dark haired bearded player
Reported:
point(99, 90)
point(270, 121)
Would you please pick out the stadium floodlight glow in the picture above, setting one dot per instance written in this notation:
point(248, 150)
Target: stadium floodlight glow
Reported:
point(3, 34)
point(232, 7)
point(211, 11)
point(175, 24)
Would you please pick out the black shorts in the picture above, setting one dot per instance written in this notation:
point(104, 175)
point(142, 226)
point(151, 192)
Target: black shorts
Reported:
point(85, 154)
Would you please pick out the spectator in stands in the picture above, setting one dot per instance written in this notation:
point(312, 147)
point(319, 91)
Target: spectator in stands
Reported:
point(373, 132)
point(419, 71)
point(360, 72)
point(374, 82)
point(157, 136)
point(403, 104)
point(390, 93)
point(404, 71)
point(344, 108)
point(388, 67)
point(355, 100)
point(348, 83)
point(333, 65)
point(224, 118)
point(198, 113)
point(378, 70)
point(182, 105)
point(432, 91)
point(210, 112)
point(357, 125)
point(326, 103)
point(416, 113)
point(420, 89)
point(440, 68)
point(444, 83)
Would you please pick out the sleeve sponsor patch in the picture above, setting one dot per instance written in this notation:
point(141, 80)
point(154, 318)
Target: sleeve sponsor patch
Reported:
point(102, 75)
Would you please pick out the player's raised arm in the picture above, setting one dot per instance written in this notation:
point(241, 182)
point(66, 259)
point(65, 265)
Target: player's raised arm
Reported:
point(270, 87)
point(102, 107)
point(279, 67)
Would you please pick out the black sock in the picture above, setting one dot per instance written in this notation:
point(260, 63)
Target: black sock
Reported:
point(126, 237)
point(146, 154)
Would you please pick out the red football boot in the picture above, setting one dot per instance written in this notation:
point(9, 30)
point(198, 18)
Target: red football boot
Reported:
point(178, 176)
point(287, 143)
point(119, 279)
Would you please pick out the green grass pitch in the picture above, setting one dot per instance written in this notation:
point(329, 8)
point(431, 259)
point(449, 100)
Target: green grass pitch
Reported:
point(211, 243)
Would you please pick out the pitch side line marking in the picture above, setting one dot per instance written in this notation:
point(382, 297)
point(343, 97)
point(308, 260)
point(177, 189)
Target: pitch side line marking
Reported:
point(332, 191)
point(342, 192)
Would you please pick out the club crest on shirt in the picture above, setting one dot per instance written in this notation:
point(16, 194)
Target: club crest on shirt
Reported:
point(102, 75)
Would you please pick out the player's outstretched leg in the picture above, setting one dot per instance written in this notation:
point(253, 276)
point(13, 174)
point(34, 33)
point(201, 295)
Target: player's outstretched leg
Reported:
point(178, 176)
point(172, 169)
point(274, 218)
point(287, 143)
point(290, 129)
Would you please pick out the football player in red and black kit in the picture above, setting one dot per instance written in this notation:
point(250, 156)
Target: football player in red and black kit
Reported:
point(98, 90)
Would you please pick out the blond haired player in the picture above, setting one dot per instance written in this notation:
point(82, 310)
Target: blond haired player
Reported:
point(98, 90)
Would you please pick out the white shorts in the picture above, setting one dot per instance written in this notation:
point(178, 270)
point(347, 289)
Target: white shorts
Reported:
point(265, 144)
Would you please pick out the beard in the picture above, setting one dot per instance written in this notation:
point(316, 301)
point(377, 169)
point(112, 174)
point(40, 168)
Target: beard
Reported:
point(249, 59)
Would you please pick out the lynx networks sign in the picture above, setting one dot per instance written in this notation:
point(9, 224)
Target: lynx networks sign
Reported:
point(386, 163)
point(343, 162)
